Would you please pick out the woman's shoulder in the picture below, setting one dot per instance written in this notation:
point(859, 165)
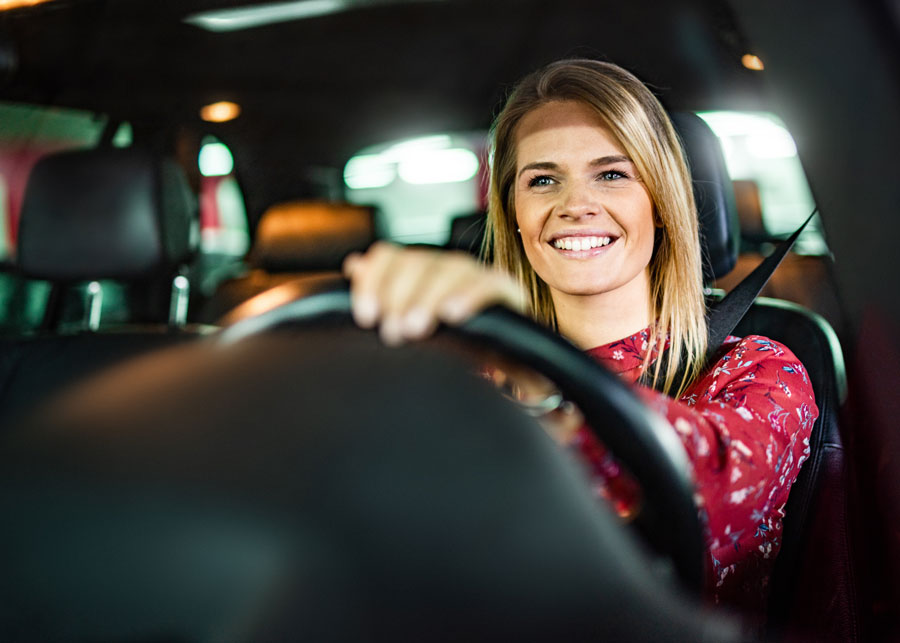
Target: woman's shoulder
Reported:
point(753, 349)
point(754, 363)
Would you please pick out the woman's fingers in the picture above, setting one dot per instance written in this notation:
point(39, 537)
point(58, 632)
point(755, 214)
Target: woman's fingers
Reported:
point(486, 288)
point(366, 272)
point(408, 291)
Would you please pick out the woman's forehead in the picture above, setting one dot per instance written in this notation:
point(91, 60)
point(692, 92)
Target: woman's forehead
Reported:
point(563, 128)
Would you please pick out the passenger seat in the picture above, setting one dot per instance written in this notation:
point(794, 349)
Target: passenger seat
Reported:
point(90, 215)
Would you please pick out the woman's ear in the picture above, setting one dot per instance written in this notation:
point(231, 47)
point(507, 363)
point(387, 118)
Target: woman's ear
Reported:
point(657, 221)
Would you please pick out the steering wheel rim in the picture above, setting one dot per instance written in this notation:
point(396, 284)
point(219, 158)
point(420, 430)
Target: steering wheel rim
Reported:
point(649, 449)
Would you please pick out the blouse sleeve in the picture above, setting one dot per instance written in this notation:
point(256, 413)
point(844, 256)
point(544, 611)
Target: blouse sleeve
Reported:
point(746, 427)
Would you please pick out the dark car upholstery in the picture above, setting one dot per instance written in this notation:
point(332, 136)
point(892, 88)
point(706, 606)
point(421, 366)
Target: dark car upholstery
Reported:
point(123, 214)
point(816, 527)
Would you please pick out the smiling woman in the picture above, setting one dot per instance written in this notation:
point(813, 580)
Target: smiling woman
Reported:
point(593, 231)
point(586, 222)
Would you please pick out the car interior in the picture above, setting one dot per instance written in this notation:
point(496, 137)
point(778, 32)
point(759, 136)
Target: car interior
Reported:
point(198, 444)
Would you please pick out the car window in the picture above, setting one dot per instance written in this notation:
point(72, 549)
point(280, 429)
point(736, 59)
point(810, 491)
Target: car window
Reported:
point(224, 230)
point(420, 185)
point(761, 155)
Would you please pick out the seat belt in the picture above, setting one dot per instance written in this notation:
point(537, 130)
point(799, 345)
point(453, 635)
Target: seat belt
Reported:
point(725, 314)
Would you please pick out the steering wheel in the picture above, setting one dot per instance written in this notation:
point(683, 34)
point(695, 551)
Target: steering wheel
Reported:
point(640, 439)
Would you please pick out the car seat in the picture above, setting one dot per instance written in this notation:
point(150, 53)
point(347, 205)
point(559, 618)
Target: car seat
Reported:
point(812, 591)
point(295, 239)
point(118, 214)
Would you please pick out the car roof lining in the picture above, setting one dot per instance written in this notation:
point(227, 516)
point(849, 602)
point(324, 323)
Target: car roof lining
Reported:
point(342, 81)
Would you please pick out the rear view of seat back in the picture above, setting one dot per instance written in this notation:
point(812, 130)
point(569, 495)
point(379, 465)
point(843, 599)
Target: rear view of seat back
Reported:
point(105, 214)
point(296, 239)
point(119, 214)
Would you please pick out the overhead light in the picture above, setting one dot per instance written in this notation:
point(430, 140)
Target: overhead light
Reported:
point(263, 14)
point(215, 159)
point(258, 15)
point(16, 4)
point(752, 62)
point(220, 112)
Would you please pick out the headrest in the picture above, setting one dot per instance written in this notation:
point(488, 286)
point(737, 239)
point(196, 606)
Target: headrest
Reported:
point(467, 232)
point(311, 235)
point(105, 214)
point(713, 192)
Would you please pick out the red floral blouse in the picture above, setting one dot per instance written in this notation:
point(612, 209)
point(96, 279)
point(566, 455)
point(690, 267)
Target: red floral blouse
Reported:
point(745, 425)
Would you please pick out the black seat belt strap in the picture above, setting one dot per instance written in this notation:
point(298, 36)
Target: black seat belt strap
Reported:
point(725, 314)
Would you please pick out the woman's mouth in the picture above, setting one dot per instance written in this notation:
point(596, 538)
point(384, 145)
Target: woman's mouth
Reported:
point(580, 244)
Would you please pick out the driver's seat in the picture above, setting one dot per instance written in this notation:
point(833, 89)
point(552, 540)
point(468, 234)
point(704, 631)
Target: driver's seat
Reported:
point(812, 591)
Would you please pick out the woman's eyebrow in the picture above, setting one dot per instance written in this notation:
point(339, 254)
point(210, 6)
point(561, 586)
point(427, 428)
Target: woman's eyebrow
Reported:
point(607, 160)
point(539, 165)
point(549, 165)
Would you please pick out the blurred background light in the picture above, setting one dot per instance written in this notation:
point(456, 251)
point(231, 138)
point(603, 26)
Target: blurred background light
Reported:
point(220, 112)
point(15, 4)
point(760, 151)
point(752, 62)
point(215, 159)
point(762, 135)
point(420, 185)
point(258, 15)
point(438, 166)
point(237, 18)
point(405, 149)
point(369, 171)
point(419, 161)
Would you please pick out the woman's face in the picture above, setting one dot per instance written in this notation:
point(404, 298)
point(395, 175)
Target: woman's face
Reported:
point(585, 217)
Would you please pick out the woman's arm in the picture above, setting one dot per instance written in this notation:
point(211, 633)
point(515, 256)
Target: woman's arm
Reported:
point(746, 426)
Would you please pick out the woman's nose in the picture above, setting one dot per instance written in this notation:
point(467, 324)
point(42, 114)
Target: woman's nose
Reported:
point(579, 201)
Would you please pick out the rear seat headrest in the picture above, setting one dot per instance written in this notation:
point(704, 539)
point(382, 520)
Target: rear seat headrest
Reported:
point(311, 235)
point(105, 214)
point(714, 194)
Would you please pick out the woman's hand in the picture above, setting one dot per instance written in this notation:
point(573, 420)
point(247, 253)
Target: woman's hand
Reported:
point(407, 292)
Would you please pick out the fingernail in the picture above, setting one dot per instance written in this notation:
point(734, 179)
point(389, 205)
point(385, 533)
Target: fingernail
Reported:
point(415, 323)
point(454, 310)
point(391, 331)
point(365, 310)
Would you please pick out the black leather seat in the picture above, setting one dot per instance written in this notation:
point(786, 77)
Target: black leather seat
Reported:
point(812, 592)
point(118, 214)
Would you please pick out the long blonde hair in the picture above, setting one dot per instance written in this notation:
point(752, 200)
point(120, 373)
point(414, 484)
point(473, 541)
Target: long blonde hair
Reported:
point(640, 125)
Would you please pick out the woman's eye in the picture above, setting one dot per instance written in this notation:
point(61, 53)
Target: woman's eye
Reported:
point(612, 175)
point(540, 182)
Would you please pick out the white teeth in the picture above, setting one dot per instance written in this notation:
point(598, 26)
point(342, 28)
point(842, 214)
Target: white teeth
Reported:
point(581, 243)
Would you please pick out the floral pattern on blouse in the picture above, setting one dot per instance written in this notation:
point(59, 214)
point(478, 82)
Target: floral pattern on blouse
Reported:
point(745, 424)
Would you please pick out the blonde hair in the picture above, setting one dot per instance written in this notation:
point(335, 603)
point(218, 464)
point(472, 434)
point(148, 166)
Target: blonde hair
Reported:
point(640, 125)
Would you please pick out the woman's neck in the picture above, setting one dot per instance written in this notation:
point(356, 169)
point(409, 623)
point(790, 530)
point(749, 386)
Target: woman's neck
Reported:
point(589, 321)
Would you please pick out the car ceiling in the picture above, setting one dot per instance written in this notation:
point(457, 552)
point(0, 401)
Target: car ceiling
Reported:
point(325, 87)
